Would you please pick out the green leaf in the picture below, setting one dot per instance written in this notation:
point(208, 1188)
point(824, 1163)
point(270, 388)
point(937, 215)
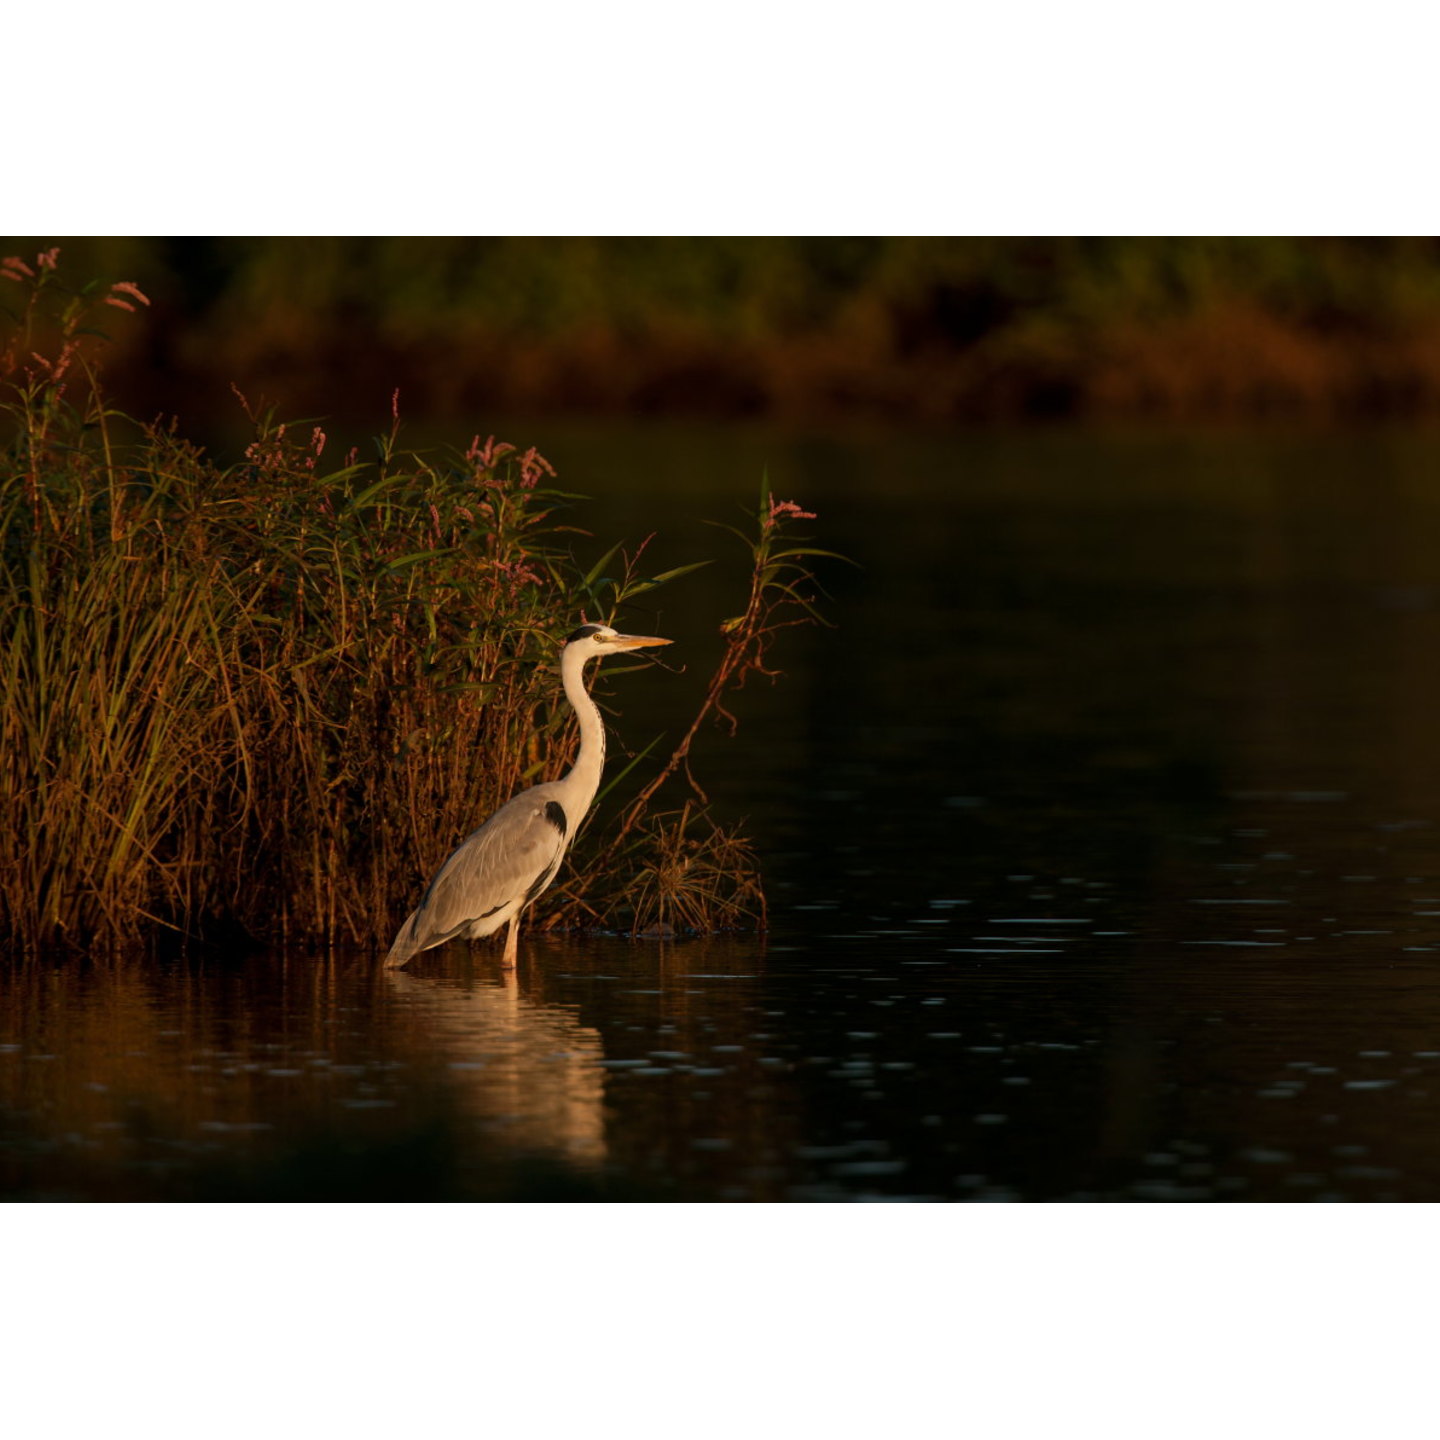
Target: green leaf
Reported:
point(595, 570)
point(403, 562)
point(365, 496)
point(666, 576)
point(614, 779)
point(807, 552)
point(740, 535)
point(654, 581)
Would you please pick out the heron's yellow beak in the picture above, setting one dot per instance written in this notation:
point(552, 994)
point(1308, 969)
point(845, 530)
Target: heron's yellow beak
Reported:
point(636, 642)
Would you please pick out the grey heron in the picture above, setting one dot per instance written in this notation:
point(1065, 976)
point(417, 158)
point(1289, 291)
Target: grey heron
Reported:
point(493, 874)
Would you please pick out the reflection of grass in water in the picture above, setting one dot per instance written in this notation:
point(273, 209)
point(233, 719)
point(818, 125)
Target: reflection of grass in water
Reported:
point(431, 1158)
point(267, 1081)
point(434, 1159)
point(274, 695)
point(270, 1080)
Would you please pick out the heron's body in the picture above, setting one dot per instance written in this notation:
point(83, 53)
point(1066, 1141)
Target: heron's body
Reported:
point(497, 871)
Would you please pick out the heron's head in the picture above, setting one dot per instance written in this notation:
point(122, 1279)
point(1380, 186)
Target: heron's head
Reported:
point(591, 642)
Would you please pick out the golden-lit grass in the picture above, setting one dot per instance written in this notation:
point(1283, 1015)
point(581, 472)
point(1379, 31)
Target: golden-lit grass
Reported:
point(271, 696)
point(693, 877)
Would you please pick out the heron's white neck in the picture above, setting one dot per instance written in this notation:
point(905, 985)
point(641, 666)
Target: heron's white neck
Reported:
point(583, 778)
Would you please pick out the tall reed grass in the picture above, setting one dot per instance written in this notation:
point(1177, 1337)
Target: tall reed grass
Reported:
point(268, 697)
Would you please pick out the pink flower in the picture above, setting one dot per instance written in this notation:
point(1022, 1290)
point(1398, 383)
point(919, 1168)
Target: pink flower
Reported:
point(130, 288)
point(16, 264)
point(488, 453)
point(515, 574)
point(245, 404)
point(119, 304)
point(532, 465)
point(48, 259)
point(780, 509)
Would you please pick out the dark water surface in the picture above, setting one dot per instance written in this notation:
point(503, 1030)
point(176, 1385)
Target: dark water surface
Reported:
point(1103, 855)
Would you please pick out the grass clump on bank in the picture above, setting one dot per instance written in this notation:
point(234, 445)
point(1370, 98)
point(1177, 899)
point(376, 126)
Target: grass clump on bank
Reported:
point(269, 697)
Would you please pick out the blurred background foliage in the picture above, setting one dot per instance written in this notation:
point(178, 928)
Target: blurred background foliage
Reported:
point(794, 329)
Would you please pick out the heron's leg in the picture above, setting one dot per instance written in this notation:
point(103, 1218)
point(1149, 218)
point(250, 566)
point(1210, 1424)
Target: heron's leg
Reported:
point(512, 944)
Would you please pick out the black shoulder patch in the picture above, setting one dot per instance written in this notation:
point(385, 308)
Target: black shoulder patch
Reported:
point(555, 814)
point(581, 633)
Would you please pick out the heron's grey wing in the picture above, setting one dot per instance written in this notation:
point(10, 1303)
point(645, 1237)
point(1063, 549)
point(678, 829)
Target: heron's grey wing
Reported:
point(515, 850)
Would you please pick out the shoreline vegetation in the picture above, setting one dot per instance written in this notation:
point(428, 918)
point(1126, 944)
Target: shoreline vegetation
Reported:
point(261, 701)
point(799, 330)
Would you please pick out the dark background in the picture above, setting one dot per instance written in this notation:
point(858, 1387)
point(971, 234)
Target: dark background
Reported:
point(805, 330)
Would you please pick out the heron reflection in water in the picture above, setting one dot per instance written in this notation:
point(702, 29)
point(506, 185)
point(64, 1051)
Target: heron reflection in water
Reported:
point(529, 1072)
point(507, 863)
